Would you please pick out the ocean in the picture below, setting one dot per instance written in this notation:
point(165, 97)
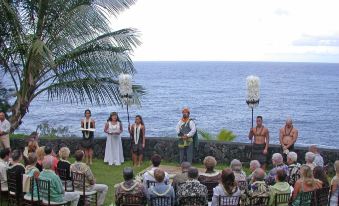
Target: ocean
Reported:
point(215, 92)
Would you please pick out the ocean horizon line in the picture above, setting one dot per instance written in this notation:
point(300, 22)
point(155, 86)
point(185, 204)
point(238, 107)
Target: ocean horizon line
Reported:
point(231, 61)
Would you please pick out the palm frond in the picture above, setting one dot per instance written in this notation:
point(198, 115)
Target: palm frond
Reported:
point(225, 136)
point(205, 135)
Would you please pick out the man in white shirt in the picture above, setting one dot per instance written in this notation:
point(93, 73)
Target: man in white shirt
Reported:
point(186, 130)
point(149, 175)
point(4, 159)
point(318, 159)
point(5, 127)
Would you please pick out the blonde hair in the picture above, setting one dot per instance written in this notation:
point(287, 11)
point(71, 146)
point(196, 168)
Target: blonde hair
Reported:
point(336, 166)
point(32, 146)
point(64, 153)
point(40, 153)
point(306, 174)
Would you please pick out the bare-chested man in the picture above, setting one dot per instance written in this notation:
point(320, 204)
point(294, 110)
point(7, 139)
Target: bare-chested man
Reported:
point(287, 136)
point(261, 142)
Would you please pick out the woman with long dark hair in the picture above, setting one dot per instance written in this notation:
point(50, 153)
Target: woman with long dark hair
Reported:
point(114, 154)
point(137, 132)
point(227, 187)
point(319, 173)
point(88, 124)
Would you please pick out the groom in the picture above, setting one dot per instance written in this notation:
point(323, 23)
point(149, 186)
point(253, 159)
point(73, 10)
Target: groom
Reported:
point(186, 132)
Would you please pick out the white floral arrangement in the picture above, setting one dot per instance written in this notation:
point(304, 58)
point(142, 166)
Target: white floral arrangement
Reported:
point(253, 91)
point(125, 85)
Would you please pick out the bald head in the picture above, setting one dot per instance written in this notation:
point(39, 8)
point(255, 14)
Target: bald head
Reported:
point(313, 148)
point(259, 174)
point(289, 122)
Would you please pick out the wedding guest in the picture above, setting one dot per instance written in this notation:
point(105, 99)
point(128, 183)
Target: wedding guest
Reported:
point(114, 154)
point(192, 188)
point(334, 201)
point(137, 132)
point(319, 173)
point(236, 167)
point(129, 186)
point(50, 153)
point(309, 158)
point(228, 187)
point(281, 186)
point(293, 168)
point(181, 177)
point(161, 189)
point(254, 164)
point(19, 169)
point(306, 183)
point(318, 159)
point(210, 174)
point(88, 136)
point(91, 185)
point(5, 127)
point(40, 152)
point(278, 163)
point(32, 171)
point(149, 175)
point(63, 163)
point(4, 160)
point(57, 193)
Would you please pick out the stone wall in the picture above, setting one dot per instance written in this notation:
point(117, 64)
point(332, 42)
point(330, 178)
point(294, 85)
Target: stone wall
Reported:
point(224, 152)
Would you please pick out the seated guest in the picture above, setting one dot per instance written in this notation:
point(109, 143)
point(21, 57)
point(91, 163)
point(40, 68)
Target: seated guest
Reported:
point(254, 164)
point(278, 163)
point(309, 158)
point(293, 168)
point(182, 177)
point(4, 158)
point(161, 189)
point(236, 167)
point(192, 187)
point(318, 159)
point(49, 152)
point(259, 186)
point(335, 185)
point(280, 187)
point(40, 153)
point(228, 187)
point(63, 161)
point(210, 175)
point(129, 186)
point(32, 171)
point(31, 147)
point(306, 183)
point(149, 175)
point(319, 173)
point(17, 168)
point(57, 193)
point(91, 185)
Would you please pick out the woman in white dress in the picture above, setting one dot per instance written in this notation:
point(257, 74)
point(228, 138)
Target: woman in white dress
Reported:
point(113, 153)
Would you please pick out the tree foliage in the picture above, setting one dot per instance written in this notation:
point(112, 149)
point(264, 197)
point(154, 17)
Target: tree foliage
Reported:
point(65, 49)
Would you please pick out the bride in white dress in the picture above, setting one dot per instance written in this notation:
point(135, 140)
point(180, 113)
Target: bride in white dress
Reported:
point(113, 153)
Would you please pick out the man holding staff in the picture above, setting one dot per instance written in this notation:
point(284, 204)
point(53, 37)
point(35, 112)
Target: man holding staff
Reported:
point(288, 136)
point(261, 142)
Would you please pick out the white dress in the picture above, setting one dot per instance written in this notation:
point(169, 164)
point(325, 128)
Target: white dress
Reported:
point(114, 154)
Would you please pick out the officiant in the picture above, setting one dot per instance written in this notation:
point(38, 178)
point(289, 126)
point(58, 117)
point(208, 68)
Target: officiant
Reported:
point(88, 127)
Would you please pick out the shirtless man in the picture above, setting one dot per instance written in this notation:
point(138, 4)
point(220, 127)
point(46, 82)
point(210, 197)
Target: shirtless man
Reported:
point(261, 142)
point(287, 136)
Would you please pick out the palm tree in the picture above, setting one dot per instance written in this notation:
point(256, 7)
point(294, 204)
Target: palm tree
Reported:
point(65, 49)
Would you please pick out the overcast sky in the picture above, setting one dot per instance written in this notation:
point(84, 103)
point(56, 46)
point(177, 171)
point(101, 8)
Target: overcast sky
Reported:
point(235, 30)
